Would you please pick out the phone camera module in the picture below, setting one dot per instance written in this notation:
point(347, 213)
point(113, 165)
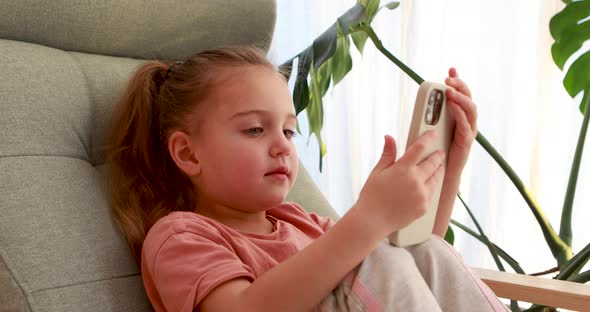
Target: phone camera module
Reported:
point(434, 107)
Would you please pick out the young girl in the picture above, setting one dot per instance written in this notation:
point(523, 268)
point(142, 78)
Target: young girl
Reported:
point(202, 160)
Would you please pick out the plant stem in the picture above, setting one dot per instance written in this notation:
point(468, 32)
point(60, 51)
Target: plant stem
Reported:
point(582, 277)
point(575, 264)
point(555, 269)
point(561, 251)
point(504, 255)
point(483, 236)
point(379, 45)
point(565, 229)
point(513, 303)
point(535, 307)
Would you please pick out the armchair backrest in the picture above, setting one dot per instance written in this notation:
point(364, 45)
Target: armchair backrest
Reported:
point(62, 68)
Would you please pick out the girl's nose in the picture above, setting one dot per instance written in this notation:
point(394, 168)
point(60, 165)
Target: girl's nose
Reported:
point(281, 146)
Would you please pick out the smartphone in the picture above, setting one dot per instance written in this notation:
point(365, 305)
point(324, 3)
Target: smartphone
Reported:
point(430, 113)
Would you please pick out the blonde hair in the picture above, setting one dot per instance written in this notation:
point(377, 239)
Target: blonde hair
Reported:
point(146, 183)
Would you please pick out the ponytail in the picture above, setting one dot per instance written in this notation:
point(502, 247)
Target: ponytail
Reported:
point(146, 183)
point(138, 156)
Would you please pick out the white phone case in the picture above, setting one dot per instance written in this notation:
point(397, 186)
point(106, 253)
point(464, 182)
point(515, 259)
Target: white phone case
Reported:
point(421, 229)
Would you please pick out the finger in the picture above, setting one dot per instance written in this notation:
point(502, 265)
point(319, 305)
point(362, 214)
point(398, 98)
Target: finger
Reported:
point(459, 85)
point(465, 104)
point(464, 130)
point(418, 150)
point(453, 72)
point(436, 178)
point(428, 166)
point(388, 155)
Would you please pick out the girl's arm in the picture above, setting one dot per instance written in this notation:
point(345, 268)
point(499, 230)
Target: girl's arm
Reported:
point(465, 113)
point(396, 193)
point(302, 281)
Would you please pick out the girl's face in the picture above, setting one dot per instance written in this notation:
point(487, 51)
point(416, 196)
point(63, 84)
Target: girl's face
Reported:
point(244, 144)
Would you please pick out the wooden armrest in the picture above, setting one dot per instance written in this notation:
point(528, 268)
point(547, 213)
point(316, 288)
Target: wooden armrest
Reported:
point(540, 290)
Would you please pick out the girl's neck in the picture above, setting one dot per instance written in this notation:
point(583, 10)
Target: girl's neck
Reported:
point(248, 222)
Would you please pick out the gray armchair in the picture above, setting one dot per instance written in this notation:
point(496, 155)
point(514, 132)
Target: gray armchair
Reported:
point(63, 64)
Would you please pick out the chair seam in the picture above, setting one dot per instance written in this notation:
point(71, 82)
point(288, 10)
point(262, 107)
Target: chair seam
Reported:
point(91, 100)
point(86, 282)
point(25, 292)
point(44, 155)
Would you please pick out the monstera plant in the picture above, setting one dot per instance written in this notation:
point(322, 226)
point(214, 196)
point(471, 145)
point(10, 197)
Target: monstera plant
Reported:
point(327, 60)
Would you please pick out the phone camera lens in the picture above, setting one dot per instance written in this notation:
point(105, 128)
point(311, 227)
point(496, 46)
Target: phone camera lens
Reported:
point(433, 110)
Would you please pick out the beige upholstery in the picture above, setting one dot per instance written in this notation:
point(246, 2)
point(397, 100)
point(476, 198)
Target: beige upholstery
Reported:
point(63, 64)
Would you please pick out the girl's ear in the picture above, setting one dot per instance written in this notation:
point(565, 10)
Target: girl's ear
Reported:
point(181, 150)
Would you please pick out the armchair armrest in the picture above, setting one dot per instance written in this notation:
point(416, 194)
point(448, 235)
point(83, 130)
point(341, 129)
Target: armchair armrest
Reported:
point(540, 290)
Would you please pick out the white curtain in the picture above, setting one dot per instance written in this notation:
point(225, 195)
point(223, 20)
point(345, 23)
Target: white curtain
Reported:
point(502, 50)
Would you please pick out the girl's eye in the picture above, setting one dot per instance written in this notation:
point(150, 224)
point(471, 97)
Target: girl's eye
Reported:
point(255, 131)
point(289, 134)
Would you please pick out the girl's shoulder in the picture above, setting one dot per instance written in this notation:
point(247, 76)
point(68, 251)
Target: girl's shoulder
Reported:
point(180, 222)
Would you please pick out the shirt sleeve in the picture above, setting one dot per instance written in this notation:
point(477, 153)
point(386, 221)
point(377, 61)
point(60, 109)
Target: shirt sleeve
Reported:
point(188, 266)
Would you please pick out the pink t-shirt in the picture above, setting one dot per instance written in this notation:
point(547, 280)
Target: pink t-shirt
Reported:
point(186, 255)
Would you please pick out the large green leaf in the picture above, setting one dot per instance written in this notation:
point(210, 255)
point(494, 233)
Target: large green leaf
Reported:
point(570, 28)
point(325, 45)
point(391, 5)
point(287, 68)
point(355, 15)
point(578, 75)
point(324, 77)
point(569, 42)
point(327, 60)
point(342, 62)
point(571, 14)
point(371, 6)
point(360, 38)
point(450, 236)
point(301, 96)
point(320, 52)
point(301, 90)
point(315, 110)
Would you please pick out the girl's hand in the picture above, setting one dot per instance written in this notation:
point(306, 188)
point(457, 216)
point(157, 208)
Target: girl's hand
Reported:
point(398, 192)
point(465, 113)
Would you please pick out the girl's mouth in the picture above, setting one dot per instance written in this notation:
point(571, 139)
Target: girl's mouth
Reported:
point(280, 173)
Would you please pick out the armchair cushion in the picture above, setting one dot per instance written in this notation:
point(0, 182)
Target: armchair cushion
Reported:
point(138, 29)
point(63, 67)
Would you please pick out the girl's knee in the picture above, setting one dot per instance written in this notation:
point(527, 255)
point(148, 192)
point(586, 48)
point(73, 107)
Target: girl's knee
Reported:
point(435, 249)
point(395, 257)
point(389, 262)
